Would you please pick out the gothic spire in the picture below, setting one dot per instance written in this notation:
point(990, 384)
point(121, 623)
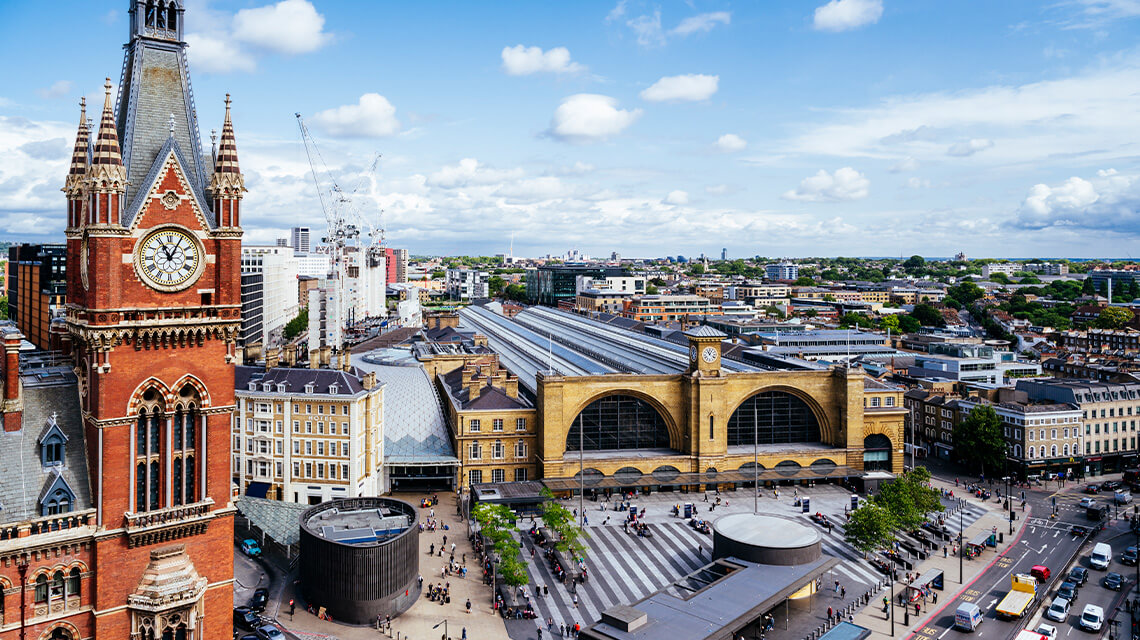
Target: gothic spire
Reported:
point(227, 160)
point(227, 184)
point(107, 141)
point(79, 154)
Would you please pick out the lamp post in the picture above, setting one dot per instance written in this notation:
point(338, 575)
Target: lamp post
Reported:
point(755, 464)
point(891, 574)
point(444, 623)
point(1009, 503)
point(961, 538)
point(581, 471)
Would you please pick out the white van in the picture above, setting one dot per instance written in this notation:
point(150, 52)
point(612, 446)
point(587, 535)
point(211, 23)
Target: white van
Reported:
point(1122, 497)
point(968, 616)
point(1101, 556)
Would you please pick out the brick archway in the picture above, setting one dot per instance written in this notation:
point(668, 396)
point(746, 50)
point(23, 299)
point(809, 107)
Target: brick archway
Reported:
point(675, 436)
point(826, 430)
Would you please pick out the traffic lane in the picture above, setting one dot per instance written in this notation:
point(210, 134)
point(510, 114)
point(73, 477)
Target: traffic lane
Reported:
point(1094, 591)
point(1040, 547)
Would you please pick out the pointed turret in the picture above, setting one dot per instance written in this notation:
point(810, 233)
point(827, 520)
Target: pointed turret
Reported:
point(73, 185)
point(107, 177)
point(227, 184)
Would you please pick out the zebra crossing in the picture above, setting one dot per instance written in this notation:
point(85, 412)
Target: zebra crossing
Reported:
point(624, 568)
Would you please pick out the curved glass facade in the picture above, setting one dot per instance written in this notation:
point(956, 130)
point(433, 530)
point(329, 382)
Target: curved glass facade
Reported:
point(618, 422)
point(773, 417)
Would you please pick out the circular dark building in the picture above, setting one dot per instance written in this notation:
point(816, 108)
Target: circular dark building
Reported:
point(360, 558)
point(765, 539)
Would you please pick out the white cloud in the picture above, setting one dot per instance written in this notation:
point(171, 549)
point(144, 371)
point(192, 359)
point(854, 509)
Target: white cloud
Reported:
point(904, 166)
point(469, 172)
point(372, 117)
point(690, 87)
point(617, 12)
point(843, 185)
point(590, 117)
point(217, 54)
point(716, 189)
point(969, 147)
point(521, 61)
point(1096, 13)
point(730, 143)
point(843, 15)
point(648, 29)
point(915, 182)
point(677, 197)
point(704, 22)
point(289, 27)
point(56, 90)
point(1109, 201)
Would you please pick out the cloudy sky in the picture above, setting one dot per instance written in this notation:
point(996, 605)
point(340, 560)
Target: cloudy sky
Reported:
point(839, 127)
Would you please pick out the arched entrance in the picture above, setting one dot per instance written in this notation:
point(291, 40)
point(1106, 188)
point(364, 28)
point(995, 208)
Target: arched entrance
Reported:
point(877, 452)
point(773, 417)
point(618, 422)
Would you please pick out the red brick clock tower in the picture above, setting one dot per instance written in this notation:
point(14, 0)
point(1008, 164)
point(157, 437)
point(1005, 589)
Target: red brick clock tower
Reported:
point(154, 303)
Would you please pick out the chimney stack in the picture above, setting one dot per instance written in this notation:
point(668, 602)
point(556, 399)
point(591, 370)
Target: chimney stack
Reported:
point(326, 351)
point(12, 406)
point(314, 358)
point(272, 359)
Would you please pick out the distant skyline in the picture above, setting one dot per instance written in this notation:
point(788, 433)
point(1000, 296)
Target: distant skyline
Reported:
point(822, 128)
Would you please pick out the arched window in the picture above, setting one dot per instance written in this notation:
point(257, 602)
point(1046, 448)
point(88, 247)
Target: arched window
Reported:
point(1053, 451)
point(190, 495)
point(41, 589)
point(151, 17)
point(177, 481)
point(179, 416)
point(58, 502)
point(73, 582)
point(772, 417)
point(1032, 452)
point(172, 16)
point(618, 422)
point(161, 16)
point(150, 440)
point(155, 484)
point(1065, 449)
point(140, 434)
point(59, 633)
point(140, 487)
point(57, 586)
point(877, 452)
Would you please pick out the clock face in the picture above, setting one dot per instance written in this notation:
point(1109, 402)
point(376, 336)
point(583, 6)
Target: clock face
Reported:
point(709, 354)
point(169, 259)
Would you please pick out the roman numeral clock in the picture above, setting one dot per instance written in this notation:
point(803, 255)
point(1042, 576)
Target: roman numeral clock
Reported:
point(169, 259)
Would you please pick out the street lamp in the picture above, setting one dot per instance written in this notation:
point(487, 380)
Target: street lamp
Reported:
point(1009, 503)
point(961, 538)
point(444, 623)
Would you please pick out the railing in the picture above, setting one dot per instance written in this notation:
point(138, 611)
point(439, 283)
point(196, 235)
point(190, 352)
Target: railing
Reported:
point(169, 515)
point(61, 522)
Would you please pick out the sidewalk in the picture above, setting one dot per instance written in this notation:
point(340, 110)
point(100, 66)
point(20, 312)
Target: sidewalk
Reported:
point(417, 622)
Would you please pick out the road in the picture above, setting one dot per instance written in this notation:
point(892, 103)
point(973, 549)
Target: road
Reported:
point(1049, 542)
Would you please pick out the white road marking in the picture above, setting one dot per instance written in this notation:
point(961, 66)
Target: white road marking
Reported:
point(991, 604)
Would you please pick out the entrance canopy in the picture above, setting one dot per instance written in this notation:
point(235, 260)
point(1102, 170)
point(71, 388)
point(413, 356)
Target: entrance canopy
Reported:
point(596, 480)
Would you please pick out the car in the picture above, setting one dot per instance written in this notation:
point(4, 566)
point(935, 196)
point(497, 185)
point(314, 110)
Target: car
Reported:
point(1047, 630)
point(1092, 618)
point(1088, 502)
point(259, 599)
point(1092, 488)
point(1068, 590)
point(1041, 572)
point(1078, 575)
point(1109, 485)
point(269, 632)
point(1058, 610)
point(250, 636)
point(1129, 557)
point(246, 618)
point(250, 547)
point(1113, 581)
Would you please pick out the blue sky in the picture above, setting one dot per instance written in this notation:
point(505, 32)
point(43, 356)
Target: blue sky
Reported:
point(847, 127)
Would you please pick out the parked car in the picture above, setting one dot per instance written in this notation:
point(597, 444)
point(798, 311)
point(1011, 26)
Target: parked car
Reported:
point(1129, 556)
point(270, 632)
point(246, 618)
point(1059, 610)
point(1092, 618)
point(1047, 630)
point(1109, 485)
point(1092, 488)
point(1122, 497)
point(1068, 590)
point(1113, 581)
point(250, 547)
point(1087, 502)
point(1079, 575)
point(259, 599)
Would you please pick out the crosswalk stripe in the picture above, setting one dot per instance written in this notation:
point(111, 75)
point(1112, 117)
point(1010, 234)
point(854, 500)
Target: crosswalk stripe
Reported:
point(660, 550)
point(615, 567)
point(639, 582)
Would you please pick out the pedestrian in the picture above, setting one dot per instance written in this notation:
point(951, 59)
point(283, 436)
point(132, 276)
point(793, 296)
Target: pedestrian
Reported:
point(843, 593)
point(549, 623)
point(539, 632)
point(452, 545)
point(562, 629)
point(431, 549)
point(469, 605)
point(917, 608)
point(292, 607)
point(545, 590)
point(934, 594)
point(575, 599)
point(830, 614)
point(464, 633)
point(445, 538)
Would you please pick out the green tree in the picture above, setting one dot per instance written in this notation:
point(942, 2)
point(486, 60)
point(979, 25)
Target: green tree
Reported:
point(810, 313)
point(804, 281)
point(560, 520)
point(890, 323)
point(1000, 278)
point(773, 310)
point(908, 324)
point(927, 315)
point(914, 264)
point(1113, 318)
point(952, 303)
point(515, 292)
point(697, 270)
point(1087, 287)
point(496, 523)
point(909, 498)
point(495, 285)
point(3, 307)
point(978, 440)
point(651, 289)
point(437, 274)
point(852, 320)
point(294, 327)
point(869, 527)
point(966, 292)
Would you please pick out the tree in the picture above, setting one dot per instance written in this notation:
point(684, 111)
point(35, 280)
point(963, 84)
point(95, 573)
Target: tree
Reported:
point(927, 315)
point(804, 281)
point(773, 310)
point(515, 292)
point(1087, 287)
point(914, 264)
point(810, 313)
point(952, 303)
point(437, 274)
point(869, 527)
point(651, 289)
point(890, 323)
point(851, 319)
point(496, 524)
point(908, 324)
point(967, 293)
point(909, 498)
point(3, 307)
point(978, 440)
point(1000, 278)
point(1113, 318)
point(294, 327)
point(556, 516)
point(697, 270)
point(495, 285)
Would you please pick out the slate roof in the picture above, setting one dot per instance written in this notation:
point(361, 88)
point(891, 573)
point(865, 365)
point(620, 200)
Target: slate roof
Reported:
point(347, 382)
point(490, 398)
point(23, 479)
point(705, 331)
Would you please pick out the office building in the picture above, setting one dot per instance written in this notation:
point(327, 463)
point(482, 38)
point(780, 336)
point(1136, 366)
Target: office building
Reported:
point(632, 285)
point(971, 363)
point(397, 264)
point(1109, 412)
point(37, 291)
point(467, 284)
point(252, 309)
point(1040, 435)
point(665, 308)
point(278, 268)
point(552, 284)
point(299, 240)
point(307, 435)
point(782, 271)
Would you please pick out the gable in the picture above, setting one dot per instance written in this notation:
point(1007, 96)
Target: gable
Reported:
point(56, 487)
point(155, 203)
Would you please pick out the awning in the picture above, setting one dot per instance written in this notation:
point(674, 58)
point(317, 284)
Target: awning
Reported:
point(257, 489)
point(676, 479)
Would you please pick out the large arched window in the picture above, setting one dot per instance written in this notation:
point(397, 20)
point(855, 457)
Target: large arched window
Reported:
point(618, 422)
point(41, 589)
point(73, 582)
point(772, 417)
point(877, 452)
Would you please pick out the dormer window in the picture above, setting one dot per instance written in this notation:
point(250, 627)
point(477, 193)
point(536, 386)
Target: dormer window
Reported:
point(309, 387)
point(280, 387)
point(267, 386)
point(332, 388)
point(52, 444)
point(253, 386)
point(57, 497)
